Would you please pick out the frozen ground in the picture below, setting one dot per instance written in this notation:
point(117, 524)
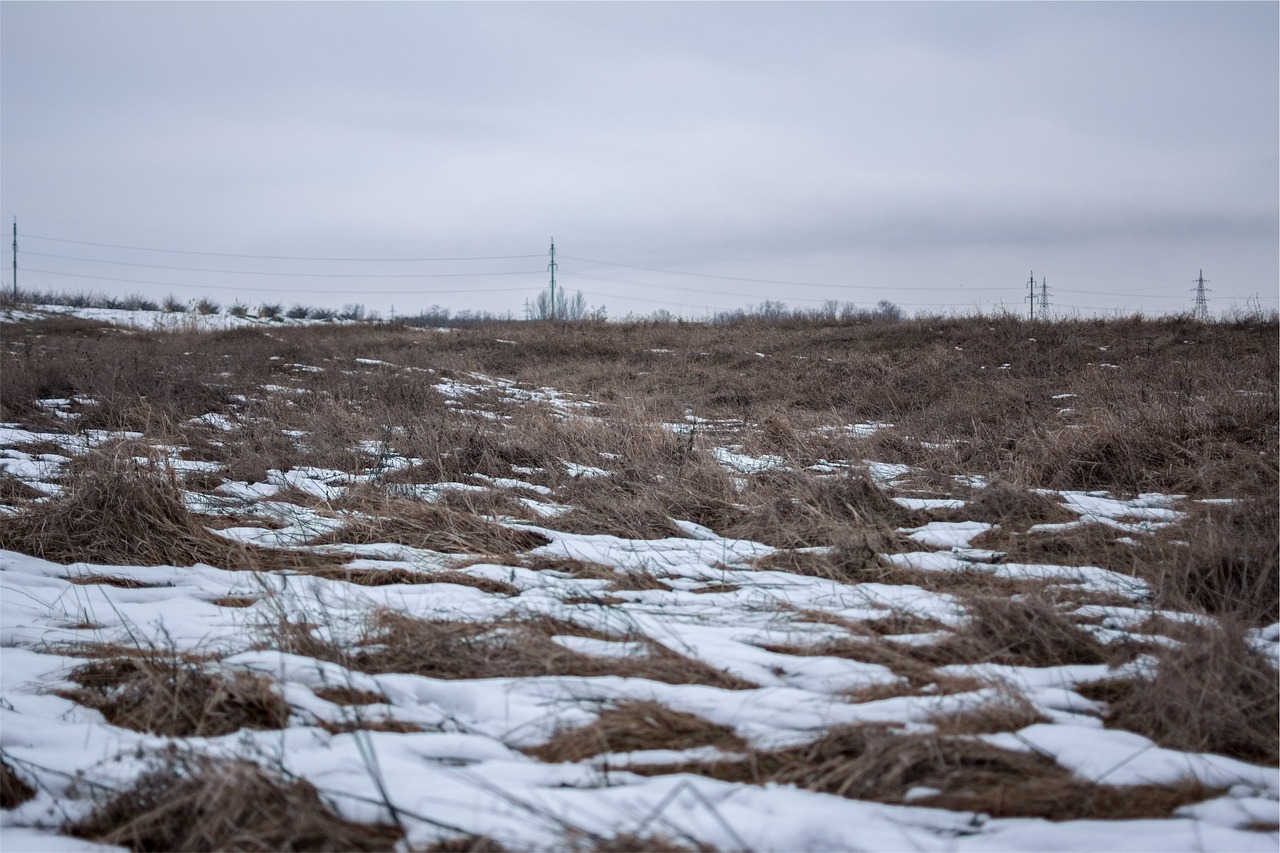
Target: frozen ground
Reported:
point(463, 771)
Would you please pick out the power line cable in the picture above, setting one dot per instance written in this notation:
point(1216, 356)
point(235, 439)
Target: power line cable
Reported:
point(271, 257)
point(319, 239)
point(265, 272)
point(277, 289)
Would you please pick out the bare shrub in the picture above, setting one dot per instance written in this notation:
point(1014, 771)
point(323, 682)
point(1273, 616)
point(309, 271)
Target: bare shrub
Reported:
point(190, 802)
point(165, 694)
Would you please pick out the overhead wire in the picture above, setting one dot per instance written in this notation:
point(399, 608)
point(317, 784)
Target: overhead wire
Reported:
point(1012, 293)
point(191, 286)
point(276, 273)
point(275, 257)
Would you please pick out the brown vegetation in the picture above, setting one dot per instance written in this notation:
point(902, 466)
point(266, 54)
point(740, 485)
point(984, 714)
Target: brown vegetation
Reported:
point(203, 804)
point(1212, 693)
point(170, 695)
point(14, 791)
point(633, 726)
point(506, 648)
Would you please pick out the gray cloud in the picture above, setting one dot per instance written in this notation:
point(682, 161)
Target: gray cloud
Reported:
point(1123, 140)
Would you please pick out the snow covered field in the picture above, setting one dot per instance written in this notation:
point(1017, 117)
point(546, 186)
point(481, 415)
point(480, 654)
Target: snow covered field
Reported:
point(581, 688)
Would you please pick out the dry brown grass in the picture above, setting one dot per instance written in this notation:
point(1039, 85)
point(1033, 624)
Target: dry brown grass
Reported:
point(1210, 694)
point(234, 601)
point(397, 575)
point(168, 695)
point(508, 648)
point(1026, 631)
point(633, 843)
point(915, 665)
point(1223, 560)
point(466, 844)
point(1009, 712)
point(369, 724)
point(879, 763)
point(90, 579)
point(1197, 418)
point(116, 511)
point(797, 510)
point(14, 790)
point(14, 491)
point(201, 804)
point(884, 764)
point(1007, 504)
point(430, 526)
point(340, 695)
point(634, 726)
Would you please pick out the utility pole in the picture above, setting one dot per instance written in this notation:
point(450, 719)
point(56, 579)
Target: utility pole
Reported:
point(15, 260)
point(1201, 311)
point(552, 268)
point(1044, 297)
point(1031, 296)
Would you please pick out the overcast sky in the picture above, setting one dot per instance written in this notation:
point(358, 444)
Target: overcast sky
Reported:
point(691, 157)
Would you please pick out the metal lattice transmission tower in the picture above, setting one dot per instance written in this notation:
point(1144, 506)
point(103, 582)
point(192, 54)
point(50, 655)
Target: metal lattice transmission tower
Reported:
point(1201, 311)
point(552, 266)
point(1044, 297)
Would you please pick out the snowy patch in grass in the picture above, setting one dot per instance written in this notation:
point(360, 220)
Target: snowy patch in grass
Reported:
point(741, 463)
point(947, 534)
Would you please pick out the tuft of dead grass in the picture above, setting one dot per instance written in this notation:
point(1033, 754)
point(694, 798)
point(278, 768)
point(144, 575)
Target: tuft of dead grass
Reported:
point(14, 791)
point(171, 696)
point(1008, 713)
point(797, 509)
point(635, 726)
point(234, 601)
point(432, 527)
point(632, 843)
point(1211, 694)
point(1006, 504)
point(115, 510)
point(369, 724)
point(1224, 560)
point(397, 575)
point(1025, 631)
point(466, 844)
point(90, 579)
point(879, 763)
point(340, 695)
point(884, 764)
point(507, 648)
point(205, 804)
point(13, 490)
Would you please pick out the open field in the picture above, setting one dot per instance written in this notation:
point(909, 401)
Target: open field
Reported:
point(941, 584)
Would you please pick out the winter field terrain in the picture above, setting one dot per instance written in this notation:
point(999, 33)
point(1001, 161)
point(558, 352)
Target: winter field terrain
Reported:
point(940, 584)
